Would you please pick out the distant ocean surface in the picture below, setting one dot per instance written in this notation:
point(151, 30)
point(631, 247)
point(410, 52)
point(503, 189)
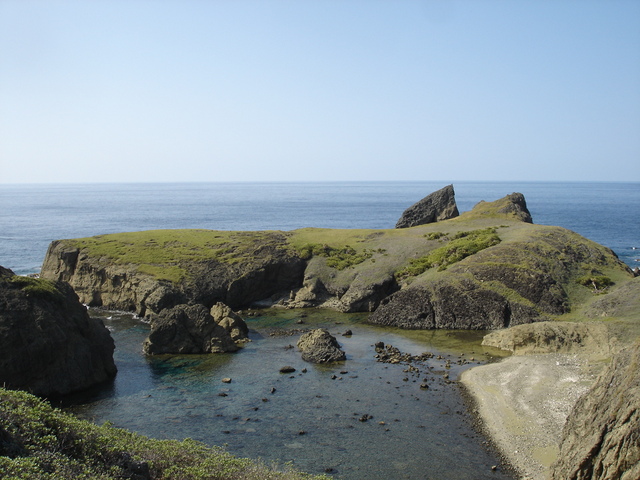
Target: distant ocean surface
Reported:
point(31, 216)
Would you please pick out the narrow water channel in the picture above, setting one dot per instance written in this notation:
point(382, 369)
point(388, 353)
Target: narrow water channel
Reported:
point(358, 419)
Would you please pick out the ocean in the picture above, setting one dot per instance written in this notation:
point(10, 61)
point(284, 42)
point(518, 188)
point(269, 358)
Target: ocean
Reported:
point(312, 418)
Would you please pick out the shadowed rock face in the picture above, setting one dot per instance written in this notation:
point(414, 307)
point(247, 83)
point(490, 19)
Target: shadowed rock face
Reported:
point(48, 343)
point(601, 438)
point(438, 206)
point(187, 329)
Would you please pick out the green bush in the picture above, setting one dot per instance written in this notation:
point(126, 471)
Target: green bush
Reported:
point(598, 282)
point(463, 244)
point(40, 442)
point(338, 258)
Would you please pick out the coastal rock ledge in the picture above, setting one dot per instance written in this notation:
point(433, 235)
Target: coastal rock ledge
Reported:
point(49, 345)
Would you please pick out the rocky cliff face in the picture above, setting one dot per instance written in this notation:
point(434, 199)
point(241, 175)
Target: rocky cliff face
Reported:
point(601, 438)
point(435, 207)
point(48, 343)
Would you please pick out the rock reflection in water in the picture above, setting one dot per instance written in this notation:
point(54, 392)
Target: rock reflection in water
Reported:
point(357, 419)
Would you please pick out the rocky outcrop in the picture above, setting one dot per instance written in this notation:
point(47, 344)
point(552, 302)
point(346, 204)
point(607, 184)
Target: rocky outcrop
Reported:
point(517, 206)
point(319, 346)
point(435, 207)
point(508, 284)
point(230, 321)
point(48, 343)
point(186, 329)
point(487, 268)
point(248, 271)
point(601, 437)
point(553, 337)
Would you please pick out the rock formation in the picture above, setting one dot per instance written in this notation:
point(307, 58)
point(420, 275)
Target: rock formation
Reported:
point(48, 343)
point(601, 438)
point(186, 329)
point(230, 321)
point(435, 207)
point(554, 337)
point(319, 346)
point(487, 268)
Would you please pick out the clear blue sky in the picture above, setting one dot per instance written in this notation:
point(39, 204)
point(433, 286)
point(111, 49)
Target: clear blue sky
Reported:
point(233, 90)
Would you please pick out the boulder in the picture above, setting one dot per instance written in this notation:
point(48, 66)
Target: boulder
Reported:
point(187, 329)
point(601, 439)
point(49, 345)
point(438, 206)
point(319, 346)
point(230, 321)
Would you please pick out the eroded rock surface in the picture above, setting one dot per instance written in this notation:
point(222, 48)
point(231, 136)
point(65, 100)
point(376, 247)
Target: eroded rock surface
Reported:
point(186, 329)
point(601, 438)
point(319, 346)
point(230, 321)
point(435, 207)
point(48, 343)
point(553, 337)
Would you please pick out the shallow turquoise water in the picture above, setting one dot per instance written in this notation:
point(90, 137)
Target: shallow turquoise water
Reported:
point(311, 417)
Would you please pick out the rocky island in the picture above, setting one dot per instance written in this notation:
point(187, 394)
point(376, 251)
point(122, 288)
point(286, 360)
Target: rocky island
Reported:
point(488, 268)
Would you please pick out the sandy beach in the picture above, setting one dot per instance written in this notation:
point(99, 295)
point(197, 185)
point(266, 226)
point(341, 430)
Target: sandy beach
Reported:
point(523, 402)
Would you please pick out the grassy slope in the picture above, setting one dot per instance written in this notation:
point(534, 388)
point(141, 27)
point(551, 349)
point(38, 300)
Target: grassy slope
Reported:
point(39, 442)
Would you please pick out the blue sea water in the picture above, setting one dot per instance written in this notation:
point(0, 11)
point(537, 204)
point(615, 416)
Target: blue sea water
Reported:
point(31, 216)
point(312, 418)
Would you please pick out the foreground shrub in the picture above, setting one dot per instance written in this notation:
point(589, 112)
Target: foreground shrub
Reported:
point(40, 442)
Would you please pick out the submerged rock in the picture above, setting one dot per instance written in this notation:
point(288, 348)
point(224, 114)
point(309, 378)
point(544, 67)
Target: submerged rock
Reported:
point(437, 206)
point(187, 329)
point(48, 343)
point(601, 438)
point(319, 346)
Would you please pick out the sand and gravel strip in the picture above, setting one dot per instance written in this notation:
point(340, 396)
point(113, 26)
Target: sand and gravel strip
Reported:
point(523, 402)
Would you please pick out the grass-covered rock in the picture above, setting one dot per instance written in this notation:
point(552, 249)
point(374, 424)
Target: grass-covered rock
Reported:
point(488, 268)
point(38, 442)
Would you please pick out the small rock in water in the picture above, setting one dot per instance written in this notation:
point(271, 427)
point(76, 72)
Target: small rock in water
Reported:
point(287, 369)
point(348, 333)
point(226, 380)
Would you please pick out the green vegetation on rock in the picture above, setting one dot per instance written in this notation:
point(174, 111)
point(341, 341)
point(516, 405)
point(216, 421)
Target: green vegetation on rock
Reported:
point(337, 257)
point(37, 287)
point(462, 245)
point(40, 442)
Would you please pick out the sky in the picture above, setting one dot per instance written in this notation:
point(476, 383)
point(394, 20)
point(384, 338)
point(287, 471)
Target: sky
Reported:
point(324, 90)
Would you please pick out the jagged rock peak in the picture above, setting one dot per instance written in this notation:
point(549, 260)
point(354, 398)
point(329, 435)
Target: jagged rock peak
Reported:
point(438, 206)
point(513, 205)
